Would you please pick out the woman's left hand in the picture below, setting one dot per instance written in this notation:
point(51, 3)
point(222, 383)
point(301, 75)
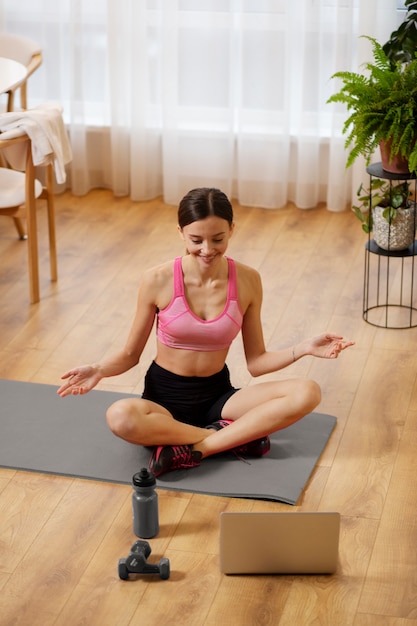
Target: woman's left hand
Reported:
point(328, 346)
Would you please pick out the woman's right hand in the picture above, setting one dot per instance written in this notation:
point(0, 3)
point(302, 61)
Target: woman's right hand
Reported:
point(80, 380)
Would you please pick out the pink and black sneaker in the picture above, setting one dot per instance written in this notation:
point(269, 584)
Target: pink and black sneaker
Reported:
point(167, 458)
point(257, 448)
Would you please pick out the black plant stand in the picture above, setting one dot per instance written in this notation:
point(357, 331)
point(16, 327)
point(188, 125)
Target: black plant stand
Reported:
point(389, 279)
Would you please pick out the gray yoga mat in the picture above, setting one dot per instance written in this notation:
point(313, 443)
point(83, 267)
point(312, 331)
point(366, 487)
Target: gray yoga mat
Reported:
point(41, 432)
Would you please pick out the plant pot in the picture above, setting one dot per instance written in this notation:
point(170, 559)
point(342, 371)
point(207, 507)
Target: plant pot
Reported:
point(398, 164)
point(397, 235)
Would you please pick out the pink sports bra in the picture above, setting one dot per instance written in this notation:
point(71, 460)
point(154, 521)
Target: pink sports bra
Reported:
point(179, 327)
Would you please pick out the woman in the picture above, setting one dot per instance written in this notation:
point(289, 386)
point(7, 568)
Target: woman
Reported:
point(189, 409)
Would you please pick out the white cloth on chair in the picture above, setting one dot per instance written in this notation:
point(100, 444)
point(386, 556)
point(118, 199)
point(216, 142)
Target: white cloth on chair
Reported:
point(45, 126)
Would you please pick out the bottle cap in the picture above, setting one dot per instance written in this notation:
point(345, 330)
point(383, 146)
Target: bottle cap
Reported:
point(144, 478)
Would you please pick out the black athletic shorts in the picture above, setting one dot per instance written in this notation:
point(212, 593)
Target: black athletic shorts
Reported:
point(194, 400)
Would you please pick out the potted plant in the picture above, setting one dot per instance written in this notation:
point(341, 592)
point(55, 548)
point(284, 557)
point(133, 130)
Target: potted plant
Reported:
point(389, 211)
point(382, 110)
point(402, 44)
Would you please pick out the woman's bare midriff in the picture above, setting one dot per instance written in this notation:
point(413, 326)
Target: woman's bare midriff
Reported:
point(190, 362)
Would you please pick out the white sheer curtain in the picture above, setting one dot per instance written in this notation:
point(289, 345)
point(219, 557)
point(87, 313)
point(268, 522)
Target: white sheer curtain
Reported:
point(164, 95)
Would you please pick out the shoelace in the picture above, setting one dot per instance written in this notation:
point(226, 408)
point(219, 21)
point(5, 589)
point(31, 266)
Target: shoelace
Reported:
point(182, 457)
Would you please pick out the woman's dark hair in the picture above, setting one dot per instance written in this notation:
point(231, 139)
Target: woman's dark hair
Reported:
point(201, 203)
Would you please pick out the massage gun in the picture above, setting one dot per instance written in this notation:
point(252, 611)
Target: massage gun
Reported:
point(136, 562)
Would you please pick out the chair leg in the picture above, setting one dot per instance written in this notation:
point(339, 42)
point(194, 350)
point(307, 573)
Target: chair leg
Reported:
point(32, 232)
point(51, 222)
point(20, 228)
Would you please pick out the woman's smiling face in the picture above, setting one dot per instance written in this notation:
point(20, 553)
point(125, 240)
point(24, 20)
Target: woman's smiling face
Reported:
point(207, 239)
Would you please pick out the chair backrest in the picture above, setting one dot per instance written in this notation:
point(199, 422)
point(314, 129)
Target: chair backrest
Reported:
point(19, 48)
point(25, 51)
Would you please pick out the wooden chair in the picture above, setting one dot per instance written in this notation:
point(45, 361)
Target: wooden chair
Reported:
point(26, 51)
point(20, 188)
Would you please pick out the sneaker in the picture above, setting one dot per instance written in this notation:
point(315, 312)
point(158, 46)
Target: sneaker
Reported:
point(167, 458)
point(219, 424)
point(256, 448)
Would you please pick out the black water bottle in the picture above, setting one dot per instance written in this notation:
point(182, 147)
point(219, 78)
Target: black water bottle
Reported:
point(145, 505)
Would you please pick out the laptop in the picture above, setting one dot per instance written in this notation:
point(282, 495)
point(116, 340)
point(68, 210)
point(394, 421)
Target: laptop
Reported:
point(279, 542)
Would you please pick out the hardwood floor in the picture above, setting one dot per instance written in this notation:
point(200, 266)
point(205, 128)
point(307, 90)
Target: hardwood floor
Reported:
point(61, 538)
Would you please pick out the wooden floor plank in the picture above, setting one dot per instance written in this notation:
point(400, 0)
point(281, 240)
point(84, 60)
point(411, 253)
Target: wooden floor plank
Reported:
point(61, 551)
point(361, 473)
point(26, 504)
point(391, 584)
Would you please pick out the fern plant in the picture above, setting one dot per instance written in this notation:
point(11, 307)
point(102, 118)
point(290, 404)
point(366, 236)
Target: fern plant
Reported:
point(382, 106)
